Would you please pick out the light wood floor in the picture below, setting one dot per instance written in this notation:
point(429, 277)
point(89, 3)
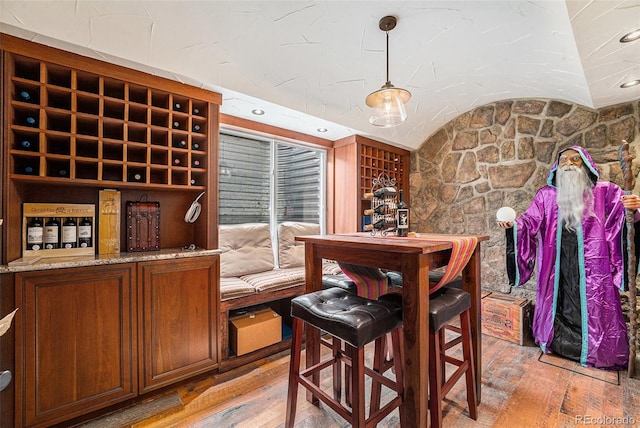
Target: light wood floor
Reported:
point(518, 390)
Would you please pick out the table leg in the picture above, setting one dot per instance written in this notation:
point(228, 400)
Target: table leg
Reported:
point(415, 313)
point(313, 282)
point(472, 283)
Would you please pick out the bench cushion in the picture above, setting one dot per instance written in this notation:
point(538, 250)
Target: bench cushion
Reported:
point(246, 249)
point(232, 288)
point(290, 251)
point(277, 279)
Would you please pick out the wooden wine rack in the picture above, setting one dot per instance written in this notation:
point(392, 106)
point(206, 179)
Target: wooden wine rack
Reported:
point(81, 127)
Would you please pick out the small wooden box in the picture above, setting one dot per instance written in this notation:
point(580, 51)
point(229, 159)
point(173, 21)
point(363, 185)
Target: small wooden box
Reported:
point(254, 330)
point(507, 317)
point(109, 222)
point(143, 226)
point(61, 211)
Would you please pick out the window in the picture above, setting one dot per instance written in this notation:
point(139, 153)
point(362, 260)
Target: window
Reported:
point(268, 181)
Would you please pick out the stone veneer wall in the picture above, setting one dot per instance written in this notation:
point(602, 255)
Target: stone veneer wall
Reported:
point(500, 154)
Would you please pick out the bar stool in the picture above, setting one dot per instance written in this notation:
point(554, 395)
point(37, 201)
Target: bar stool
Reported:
point(444, 305)
point(354, 321)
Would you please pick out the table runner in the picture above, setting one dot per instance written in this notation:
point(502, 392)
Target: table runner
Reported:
point(372, 282)
point(462, 248)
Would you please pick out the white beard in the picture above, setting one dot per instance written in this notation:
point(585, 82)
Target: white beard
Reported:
point(575, 195)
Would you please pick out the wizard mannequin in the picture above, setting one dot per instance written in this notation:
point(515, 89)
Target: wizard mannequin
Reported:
point(574, 231)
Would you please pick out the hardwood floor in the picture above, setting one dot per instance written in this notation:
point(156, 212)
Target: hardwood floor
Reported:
point(519, 389)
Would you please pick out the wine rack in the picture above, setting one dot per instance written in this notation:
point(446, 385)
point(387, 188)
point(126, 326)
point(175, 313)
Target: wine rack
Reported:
point(384, 206)
point(70, 125)
point(375, 162)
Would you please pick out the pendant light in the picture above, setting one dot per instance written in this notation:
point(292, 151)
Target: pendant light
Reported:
point(388, 102)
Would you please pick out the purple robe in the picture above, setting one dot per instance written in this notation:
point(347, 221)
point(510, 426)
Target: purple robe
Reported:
point(600, 261)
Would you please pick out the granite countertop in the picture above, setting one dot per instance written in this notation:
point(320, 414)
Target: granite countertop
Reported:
point(26, 265)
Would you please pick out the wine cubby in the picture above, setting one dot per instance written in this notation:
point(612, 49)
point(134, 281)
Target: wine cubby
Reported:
point(375, 162)
point(74, 125)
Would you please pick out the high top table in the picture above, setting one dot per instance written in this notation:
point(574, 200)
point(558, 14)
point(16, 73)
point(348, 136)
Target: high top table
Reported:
point(414, 257)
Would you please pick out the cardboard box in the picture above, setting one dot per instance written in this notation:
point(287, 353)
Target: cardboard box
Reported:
point(507, 317)
point(254, 330)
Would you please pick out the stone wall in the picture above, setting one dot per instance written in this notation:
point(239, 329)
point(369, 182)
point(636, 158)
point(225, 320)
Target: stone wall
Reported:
point(500, 154)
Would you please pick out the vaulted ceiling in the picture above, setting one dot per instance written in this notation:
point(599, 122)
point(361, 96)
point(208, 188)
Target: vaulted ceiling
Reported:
point(310, 64)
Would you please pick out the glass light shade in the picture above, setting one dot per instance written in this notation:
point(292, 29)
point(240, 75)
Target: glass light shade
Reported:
point(388, 105)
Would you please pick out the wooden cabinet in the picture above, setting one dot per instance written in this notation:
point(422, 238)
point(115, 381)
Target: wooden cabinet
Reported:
point(91, 337)
point(75, 342)
point(74, 125)
point(99, 335)
point(178, 319)
point(358, 162)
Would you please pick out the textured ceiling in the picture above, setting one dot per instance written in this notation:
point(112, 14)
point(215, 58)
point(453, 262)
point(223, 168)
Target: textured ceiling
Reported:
point(311, 64)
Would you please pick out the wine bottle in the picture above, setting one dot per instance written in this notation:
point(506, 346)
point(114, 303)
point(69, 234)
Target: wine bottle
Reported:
point(177, 106)
point(196, 128)
point(26, 144)
point(176, 124)
point(69, 233)
point(136, 176)
point(28, 169)
point(193, 182)
point(25, 96)
point(62, 172)
point(84, 233)
point(195, 146)
point(380, 193)
point(402, 216)
point(31, 121)
point(196, 111)
point(377, 210)
point(181, 144)
point(378, 225)
point(34, 234)
point(196, 163)
point(52, 234)
point(176, 161)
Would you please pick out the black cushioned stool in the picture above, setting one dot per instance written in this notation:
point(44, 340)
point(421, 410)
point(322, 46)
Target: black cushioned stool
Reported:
point(354, 321)
point(444, 305)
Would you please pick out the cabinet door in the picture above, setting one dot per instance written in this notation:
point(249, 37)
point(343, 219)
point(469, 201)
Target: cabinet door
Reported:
point(178, 319)
point(76, 342)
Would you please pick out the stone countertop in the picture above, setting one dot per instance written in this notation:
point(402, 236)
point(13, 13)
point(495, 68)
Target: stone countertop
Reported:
point(22, 265)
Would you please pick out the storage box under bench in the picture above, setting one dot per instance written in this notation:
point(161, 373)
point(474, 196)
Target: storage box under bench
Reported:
point(253, 329)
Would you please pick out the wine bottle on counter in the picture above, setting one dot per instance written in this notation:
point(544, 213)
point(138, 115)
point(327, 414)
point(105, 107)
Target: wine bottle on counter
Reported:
point(377, 210)
point(52, 234)
point(34, 234)
point(69, 233)
point(378, 225)
point(402, 216)
point(84, 233)
point(380, 193)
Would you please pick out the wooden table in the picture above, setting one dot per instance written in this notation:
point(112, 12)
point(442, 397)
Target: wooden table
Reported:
point(414, 257)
